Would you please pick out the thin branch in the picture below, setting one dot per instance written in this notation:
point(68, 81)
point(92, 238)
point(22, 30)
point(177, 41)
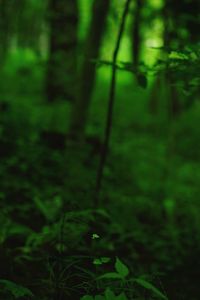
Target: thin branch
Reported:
point(108, 127)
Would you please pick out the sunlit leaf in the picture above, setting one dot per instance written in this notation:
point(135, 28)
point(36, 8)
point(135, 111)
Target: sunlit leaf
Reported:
point(95, 236)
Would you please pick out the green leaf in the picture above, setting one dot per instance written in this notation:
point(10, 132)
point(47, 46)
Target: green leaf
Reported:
point(95, 236)
point(122, 296)
point(97, 261)
point(105, 259)
point(111, 275)
point(109, 294)
point(42, 207)
point(121, 268)
point(15, 289)
point(101, 260)
point(87, 297)
point(149, 286)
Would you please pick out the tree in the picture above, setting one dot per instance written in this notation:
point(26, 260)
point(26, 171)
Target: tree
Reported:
point(179, 30)
point(5, 8)
point(109, 119)
point(32, 14)
point(61, 77)
point(136, 32)
point(88, 69)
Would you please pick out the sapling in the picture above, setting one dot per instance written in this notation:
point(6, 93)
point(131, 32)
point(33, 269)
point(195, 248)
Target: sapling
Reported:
point(108, 127)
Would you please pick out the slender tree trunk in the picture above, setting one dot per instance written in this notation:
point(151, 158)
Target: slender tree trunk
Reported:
point(136, 32)
point(169, 103)
point(61, 78)
point(4, 30)
point(28, 36)
point(109, 119)
point(88, 70)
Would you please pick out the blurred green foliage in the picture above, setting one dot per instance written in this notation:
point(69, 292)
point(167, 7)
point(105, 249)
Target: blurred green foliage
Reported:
point(53, 243)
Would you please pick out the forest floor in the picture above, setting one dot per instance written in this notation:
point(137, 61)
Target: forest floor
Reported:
point(52, 240)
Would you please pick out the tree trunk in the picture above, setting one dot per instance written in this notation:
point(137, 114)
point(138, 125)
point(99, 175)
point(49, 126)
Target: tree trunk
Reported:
point(136, 34)
point(32, 15)
point(62, 65)
point(4, 30)
point(109, 119)
point(164, 97)
point(88, 70)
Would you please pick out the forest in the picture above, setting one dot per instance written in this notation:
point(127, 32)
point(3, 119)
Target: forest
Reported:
point(99, 149)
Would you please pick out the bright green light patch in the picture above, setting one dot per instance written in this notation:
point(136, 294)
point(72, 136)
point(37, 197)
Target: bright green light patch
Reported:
point(153, 39)
point(157, 3)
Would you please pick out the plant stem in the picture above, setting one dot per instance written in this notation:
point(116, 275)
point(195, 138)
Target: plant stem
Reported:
point(109, 119)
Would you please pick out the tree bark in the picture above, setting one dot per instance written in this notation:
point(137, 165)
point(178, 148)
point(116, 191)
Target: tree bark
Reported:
point(169, 102)
point(136, 32)
point(88, 70)
point(61, 77)
point(29, 25)
point(4, 30)
point(109, 119)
